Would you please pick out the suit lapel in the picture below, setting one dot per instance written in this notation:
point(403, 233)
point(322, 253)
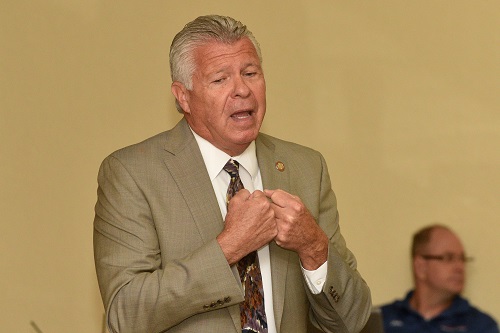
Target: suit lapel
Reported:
point(185, 163)
point(274, 177)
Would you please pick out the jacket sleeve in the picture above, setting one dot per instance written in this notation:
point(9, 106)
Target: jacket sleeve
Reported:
point(344, 304)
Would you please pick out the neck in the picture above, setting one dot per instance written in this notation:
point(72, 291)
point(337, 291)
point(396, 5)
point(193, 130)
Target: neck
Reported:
point(231, 150)
point(429, 305)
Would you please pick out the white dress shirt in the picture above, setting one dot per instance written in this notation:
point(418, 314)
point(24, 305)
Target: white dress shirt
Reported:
point(249, 171)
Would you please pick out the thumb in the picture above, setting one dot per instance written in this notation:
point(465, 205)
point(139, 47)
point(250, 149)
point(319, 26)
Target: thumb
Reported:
point(269, 193)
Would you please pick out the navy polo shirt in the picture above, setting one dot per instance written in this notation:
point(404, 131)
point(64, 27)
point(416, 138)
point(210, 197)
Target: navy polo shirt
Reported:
point(460, 317)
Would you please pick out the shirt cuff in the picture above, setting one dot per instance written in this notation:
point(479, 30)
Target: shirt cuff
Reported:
point(315, 279)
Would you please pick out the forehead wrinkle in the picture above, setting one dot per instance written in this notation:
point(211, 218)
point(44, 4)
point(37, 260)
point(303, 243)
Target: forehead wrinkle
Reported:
point(212, 57)
point(219, 63)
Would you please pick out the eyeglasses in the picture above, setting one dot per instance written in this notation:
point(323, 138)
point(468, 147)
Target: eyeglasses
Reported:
point(448, 257)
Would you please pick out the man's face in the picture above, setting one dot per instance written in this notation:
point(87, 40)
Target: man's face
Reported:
point(227, 103)
point(444, 277)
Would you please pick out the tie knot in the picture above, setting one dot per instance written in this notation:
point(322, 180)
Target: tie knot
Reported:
point(232, 167)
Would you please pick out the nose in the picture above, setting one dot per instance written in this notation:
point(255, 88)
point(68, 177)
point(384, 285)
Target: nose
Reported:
point(240, 88)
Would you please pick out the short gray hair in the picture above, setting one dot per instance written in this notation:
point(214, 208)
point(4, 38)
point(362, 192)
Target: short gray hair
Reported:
point(197, 32)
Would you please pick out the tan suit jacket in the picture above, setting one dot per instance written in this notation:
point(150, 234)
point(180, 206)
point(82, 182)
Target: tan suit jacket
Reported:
point(160, 268)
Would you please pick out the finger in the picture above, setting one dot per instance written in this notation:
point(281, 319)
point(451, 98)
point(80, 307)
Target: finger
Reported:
point(269, 193)
point(257, 194)
point(243, 193)
point(276, 197)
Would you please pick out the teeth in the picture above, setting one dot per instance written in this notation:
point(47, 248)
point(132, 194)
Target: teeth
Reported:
point(241, 114)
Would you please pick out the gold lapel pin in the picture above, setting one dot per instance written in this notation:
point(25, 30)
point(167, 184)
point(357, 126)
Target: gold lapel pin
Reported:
point(280, 166)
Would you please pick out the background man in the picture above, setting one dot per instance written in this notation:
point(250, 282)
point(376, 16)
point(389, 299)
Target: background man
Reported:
point(178, 214)
point(435, 305)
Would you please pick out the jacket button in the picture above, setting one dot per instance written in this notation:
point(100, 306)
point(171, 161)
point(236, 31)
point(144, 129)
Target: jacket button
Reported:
point(334, 294)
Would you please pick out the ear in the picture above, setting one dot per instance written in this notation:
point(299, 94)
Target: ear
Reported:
point(419, 268)
point(181, 95)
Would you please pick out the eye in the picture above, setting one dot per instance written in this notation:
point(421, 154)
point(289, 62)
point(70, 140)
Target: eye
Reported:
point(250, 74)
point(449, 257)
point(219, 80)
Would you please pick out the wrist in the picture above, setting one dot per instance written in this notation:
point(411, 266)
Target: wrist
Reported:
point(315, 254)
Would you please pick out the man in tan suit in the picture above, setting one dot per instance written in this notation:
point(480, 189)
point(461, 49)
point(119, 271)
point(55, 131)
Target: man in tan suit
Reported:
point(166, 239)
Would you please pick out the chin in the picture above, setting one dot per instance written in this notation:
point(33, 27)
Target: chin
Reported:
point(247, 136)
point(457, 288)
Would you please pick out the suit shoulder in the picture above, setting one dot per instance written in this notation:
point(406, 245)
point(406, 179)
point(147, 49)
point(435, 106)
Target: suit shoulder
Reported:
point(143, 148)
point(287, 147)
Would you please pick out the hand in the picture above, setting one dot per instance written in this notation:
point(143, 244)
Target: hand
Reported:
point(249, 225)
point(297, 229)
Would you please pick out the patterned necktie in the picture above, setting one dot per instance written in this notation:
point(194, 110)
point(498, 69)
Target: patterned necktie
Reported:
point(252, 313)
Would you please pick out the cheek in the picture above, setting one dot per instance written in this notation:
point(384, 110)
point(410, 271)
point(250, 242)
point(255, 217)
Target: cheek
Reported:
point(216, 120)
point(442, 275)
point(260, 93)
point(215, 103)
point(204, 106)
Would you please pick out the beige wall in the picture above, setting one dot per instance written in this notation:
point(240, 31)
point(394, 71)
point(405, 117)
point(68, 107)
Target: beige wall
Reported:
point(400, 96)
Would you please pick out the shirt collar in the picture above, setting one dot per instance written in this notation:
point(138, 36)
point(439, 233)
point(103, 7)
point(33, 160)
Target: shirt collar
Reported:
point(459, 305)
point(215, 159)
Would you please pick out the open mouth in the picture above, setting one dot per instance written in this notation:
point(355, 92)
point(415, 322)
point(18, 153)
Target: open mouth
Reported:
point(242, 114)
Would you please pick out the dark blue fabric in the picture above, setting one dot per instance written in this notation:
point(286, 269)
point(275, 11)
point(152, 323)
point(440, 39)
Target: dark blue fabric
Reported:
point(460, 317)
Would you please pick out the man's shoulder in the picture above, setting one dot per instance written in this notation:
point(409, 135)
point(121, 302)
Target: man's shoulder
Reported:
point(172, 139)
point(280, 145)
point(394, 306)
point(480, 317)
point(397, 306)
point(147, 145)
point(476, 319)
